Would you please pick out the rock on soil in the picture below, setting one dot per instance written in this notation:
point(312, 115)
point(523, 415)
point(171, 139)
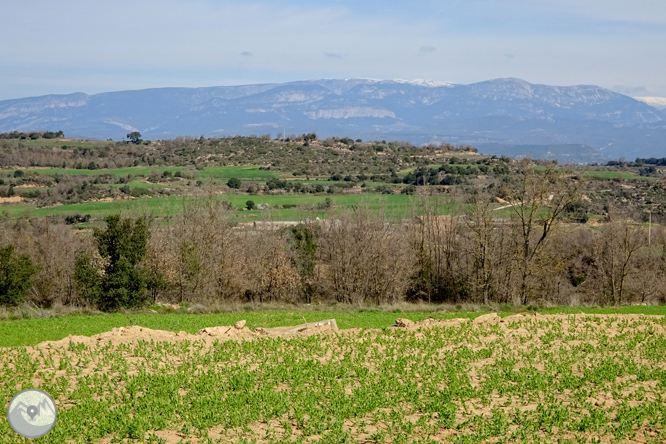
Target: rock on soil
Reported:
point(403, 323)
point(513, 318)
point(328, 325)
point(490, 318)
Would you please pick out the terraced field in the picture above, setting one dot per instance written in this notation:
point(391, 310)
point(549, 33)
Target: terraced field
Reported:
point(523, 378)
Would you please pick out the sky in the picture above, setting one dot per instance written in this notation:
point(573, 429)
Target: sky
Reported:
point(92, 46)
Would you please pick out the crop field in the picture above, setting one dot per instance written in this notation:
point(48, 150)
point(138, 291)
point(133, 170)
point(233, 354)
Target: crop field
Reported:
point(522, 378)
point(242, 172)
point(294, 207)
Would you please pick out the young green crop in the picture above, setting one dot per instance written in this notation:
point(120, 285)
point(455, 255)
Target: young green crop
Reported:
point(462, 383)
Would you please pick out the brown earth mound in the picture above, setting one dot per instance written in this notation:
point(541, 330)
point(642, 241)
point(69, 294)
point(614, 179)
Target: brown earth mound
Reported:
point(236, 332)
point(429, 322)
point(13, 199)
point(494, 319)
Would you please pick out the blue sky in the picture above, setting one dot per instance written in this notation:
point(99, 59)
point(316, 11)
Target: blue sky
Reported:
point(93, 46)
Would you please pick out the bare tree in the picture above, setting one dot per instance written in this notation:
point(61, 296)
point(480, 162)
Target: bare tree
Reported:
point(482, 225)
point(266, 269)
point(650, 283)
point(538, 200)
point(618, 248)
point(440, 258)
point(364, 258)
point(199, 248)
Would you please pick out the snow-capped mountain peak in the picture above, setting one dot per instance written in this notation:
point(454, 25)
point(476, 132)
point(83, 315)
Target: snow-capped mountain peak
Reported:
point(656, 102)
point(425, 82)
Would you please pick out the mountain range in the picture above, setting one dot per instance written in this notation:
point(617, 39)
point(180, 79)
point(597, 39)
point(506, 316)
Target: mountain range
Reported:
point(503, 116)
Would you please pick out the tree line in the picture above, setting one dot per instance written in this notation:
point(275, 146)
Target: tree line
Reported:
point(33, 135)
point(528, 252)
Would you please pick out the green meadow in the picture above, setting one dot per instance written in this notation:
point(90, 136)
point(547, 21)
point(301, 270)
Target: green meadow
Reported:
point(394, 206)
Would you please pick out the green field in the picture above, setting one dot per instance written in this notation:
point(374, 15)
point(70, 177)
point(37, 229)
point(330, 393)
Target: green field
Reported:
point(242, 172)
point(395, 206)
point(530, 379)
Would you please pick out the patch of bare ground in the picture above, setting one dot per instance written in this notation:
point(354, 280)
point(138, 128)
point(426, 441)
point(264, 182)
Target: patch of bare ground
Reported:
point(13, 199)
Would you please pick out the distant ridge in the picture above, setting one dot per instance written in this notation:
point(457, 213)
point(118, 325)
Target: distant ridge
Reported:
point(500, 112)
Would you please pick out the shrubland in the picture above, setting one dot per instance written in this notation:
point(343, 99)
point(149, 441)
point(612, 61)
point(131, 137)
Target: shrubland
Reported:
point(455, 227)
point(352, 256)
point(43, 173)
